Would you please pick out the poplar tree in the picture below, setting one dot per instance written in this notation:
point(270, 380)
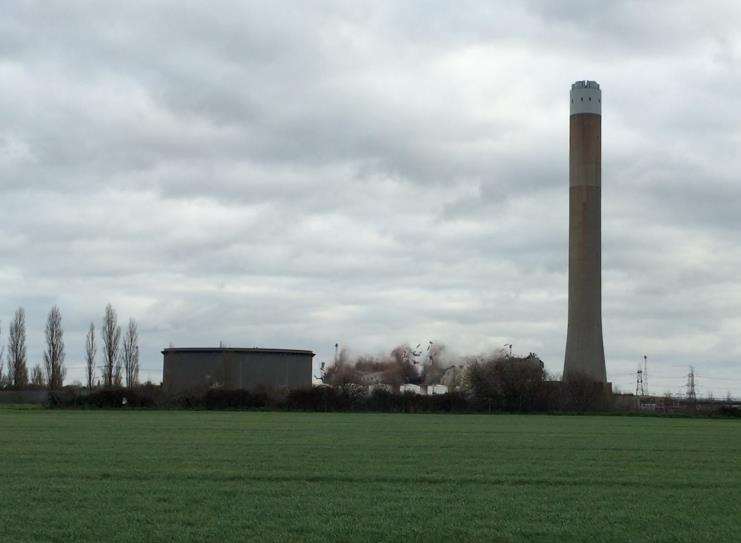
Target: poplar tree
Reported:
point(111, 332)
point(17, 358)
point(91, 349)
point(54, 354)
point(131, 354)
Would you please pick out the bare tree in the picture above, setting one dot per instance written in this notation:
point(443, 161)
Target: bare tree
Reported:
point(507, 382)
point(17, 366)
point(111, 333)
point(37, 377)
point(131, 354)
point(3, 381)
point(54, 354)
point(91, 350)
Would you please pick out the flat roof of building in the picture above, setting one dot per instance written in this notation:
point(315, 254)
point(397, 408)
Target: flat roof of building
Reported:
point(235, 349)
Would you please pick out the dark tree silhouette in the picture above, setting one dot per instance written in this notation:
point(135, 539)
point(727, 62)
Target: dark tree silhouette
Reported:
point(37, 377)
point(91, 349)
point(17, 363)
point(54, 354)
point(3, 378)
point(131, 354)
point(111, 333)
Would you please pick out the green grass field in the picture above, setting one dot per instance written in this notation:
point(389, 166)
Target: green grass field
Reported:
point(239, 476)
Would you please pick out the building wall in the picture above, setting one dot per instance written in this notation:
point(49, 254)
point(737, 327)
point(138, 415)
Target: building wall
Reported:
point(233, 369)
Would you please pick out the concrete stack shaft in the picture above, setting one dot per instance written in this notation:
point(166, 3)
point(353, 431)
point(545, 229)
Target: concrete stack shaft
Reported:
point(585, 354)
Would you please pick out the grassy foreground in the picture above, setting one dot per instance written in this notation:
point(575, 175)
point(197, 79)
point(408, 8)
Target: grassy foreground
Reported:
point(239, 476)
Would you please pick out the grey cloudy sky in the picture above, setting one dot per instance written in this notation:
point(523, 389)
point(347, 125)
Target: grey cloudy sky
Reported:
point(294, 174)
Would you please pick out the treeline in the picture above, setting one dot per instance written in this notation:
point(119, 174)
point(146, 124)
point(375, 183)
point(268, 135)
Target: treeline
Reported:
point(555, 398)
point(572, 397)
point(495, 384)
point(120, 354)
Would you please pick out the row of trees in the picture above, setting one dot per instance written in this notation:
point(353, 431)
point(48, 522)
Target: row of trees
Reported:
point(120, 364)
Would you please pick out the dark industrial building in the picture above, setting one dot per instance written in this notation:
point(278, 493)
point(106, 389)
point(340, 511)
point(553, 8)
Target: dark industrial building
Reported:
point(194, 369)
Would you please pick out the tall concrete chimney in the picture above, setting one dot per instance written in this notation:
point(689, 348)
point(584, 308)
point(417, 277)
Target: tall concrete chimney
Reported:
point(585, 353)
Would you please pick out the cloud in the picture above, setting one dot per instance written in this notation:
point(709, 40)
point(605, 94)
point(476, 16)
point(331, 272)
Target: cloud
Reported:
point(296, 175)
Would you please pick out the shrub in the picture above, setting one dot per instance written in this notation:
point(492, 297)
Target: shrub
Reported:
point(509, 384)
point(104, 398)
point(325, 398)
point(234, 399)
point(731, 411)
point(581, 393)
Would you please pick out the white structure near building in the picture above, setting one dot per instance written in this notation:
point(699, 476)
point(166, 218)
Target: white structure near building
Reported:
point(415, 389)
point(437, 389)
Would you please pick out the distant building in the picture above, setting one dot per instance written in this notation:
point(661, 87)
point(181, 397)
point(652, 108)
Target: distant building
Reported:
point(437, 389)
point(414, 389)
point(193, 369)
